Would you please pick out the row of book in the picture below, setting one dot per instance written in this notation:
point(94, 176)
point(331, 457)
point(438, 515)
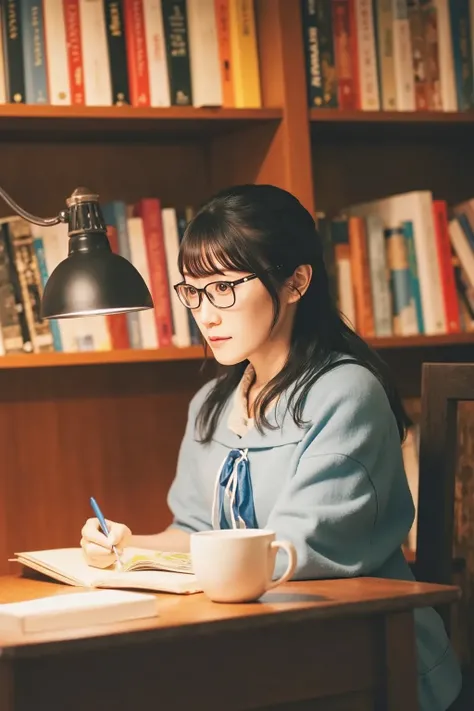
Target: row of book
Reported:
point(146, 234)
point(403, 265)
point(391, 55)
point(139, 52)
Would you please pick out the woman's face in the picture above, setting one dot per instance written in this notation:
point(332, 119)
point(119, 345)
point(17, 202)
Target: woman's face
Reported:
point(236, 333)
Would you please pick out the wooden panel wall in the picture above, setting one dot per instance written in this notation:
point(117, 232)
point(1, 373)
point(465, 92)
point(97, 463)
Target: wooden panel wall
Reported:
point(68, 433)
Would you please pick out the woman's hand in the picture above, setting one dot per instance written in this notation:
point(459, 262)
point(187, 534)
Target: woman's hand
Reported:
point(97, 548)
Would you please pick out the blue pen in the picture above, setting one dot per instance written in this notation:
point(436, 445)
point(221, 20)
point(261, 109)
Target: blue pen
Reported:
point(103, 525)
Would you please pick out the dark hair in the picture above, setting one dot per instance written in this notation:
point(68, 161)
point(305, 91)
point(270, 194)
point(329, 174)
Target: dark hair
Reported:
point(265, 230)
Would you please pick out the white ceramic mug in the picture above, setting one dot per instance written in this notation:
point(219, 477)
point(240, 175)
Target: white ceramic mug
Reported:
point(236, 565)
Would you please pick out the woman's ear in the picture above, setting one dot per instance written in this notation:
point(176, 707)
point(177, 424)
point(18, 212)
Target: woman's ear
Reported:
point(299, 282)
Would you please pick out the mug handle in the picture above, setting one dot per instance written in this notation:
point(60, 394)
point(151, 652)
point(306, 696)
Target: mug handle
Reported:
point(290, 569)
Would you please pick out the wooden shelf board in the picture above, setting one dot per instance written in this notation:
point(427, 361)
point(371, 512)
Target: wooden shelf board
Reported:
point(421, 341)
point(399, 117)
point(30, 122)
point(334, 123)
point(34, 360)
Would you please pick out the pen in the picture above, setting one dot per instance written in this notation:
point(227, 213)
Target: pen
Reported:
point(103, 525)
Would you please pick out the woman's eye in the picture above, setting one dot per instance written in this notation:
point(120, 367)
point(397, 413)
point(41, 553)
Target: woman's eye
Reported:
point(192, 291)
point(222, 287)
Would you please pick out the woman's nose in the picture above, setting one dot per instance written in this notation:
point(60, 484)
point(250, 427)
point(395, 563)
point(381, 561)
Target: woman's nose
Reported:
point(208, 314)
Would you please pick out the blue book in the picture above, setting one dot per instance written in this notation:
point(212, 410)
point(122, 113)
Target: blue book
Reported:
point(34, 58)
point(43, 270)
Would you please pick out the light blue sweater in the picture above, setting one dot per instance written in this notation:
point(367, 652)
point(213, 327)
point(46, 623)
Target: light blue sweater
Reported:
point(336, 489)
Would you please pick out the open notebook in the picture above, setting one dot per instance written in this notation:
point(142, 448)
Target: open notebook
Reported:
point(142, 569)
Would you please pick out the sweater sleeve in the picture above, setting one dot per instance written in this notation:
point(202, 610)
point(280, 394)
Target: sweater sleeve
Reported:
point(347, 507)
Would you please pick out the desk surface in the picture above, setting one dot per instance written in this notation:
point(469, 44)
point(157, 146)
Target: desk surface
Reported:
point(181, 616)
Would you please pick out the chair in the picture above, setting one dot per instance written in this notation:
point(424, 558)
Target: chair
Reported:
point(443, 386)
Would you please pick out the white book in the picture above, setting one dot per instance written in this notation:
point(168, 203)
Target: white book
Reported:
point(204, 53)
point(181, 331)
point(139, 259)
point(345, 290)
point(402, 52)
point(367, 56)
point(95, 53)
point(56, 53)
point(416, 206)
point(72, 610)
point(156, 53)
point(445, 55)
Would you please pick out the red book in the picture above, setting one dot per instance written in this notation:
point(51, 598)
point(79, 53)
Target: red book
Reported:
point(149, 209)
point(74, 51)
point(137, 61)
point(117, 323)
point(345, 50)
point(448, 283)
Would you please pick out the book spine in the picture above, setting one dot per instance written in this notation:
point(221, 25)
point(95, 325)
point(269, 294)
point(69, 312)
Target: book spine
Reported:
point(149, 209)
point(245, 62)
point(115, 30)
point(15, 335)
point(403, 57)
point(16, 291)
point(386, 59)
point(30, 284)
point(95, 55)
point(347, 96)
point(43, 270)
point(137, 62)
point(327, 56)
point(74, 51)
point(223, 40)
point(443, 248)
point(361, 277)
point(34, 55)
point(462, 52)
point(366, 56)
point(59, 89)
point(177, 51)
point(204, 54)
point(116, 323)
point(314, 79)
point(407, 227)
point(381, 303)
point(156, 53)
point(13, 41)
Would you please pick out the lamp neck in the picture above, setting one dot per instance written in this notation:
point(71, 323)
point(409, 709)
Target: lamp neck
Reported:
point(85, 222)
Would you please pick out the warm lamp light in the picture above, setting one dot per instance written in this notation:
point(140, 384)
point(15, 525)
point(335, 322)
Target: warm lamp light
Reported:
point(92, 279)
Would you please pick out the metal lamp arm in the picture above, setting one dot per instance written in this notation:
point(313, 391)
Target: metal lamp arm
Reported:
point(41, 221)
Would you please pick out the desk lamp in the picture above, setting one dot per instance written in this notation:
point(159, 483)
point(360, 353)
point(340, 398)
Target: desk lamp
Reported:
point(92, 279)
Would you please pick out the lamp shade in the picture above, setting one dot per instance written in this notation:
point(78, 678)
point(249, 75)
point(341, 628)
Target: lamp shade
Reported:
point(94, 282)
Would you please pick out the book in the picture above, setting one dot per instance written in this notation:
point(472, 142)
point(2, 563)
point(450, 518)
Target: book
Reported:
point(81, 609)
point(142, 569)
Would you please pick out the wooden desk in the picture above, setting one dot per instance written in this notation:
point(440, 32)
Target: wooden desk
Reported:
point(346, 644)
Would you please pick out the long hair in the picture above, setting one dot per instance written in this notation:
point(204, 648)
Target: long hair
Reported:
point(265, 230)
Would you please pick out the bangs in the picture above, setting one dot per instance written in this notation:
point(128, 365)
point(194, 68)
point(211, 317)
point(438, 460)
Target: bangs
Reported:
point(210, 247)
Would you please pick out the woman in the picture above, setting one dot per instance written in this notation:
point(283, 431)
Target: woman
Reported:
point(302, 432)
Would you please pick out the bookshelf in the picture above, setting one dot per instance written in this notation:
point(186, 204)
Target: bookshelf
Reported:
point(113, 429)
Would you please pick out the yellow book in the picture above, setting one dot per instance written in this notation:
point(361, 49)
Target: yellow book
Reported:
point(244, 54)
point(142, 569)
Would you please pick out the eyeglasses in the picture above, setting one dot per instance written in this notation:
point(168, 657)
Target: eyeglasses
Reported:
point(220, 293)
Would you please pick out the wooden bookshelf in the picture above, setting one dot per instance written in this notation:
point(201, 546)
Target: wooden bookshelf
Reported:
point(113, 429)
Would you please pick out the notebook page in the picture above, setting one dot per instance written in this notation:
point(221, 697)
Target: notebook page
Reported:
point(65, 564)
